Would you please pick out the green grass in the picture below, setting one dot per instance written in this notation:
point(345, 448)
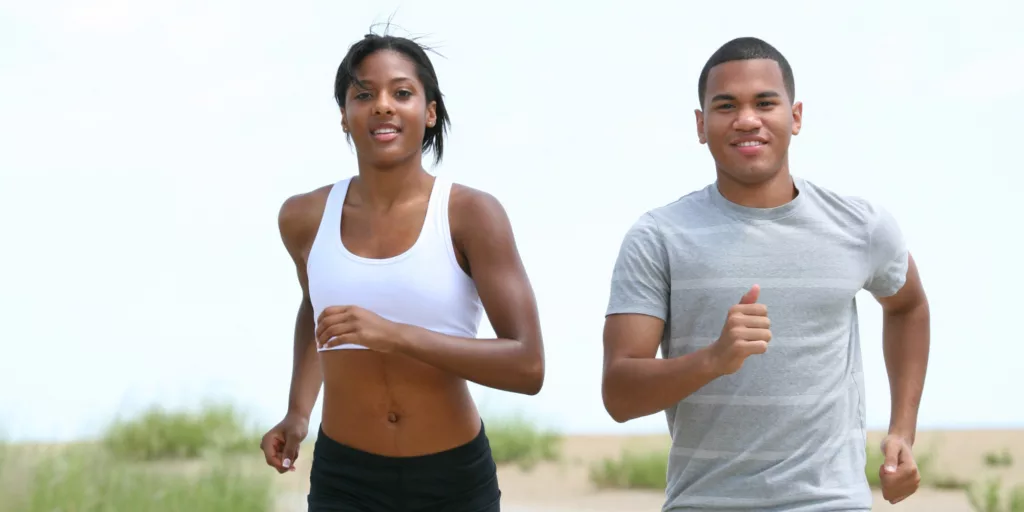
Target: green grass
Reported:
point(90, 480)
point(998, 460)
point(946, 482)
point(164, 461)
point(990, 497)
point(633, 469)
point(158, 434)
point(515, 440)
point(138, 466)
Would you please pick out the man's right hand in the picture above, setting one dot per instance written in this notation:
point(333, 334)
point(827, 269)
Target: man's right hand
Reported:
point(745, 333)
point(281, 444)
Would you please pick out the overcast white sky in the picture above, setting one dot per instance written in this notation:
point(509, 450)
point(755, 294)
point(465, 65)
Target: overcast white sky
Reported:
point(145, 148)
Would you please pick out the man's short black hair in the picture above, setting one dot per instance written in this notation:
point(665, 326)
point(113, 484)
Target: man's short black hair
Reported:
point(746, 48)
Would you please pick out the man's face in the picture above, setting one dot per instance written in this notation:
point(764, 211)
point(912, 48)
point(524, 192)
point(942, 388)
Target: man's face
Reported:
point(748, 119)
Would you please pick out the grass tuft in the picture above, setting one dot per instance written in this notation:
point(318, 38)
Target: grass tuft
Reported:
point(128, 470)
point(515, 440)
point(990, 497)
point(998, 460)
point(160, 434)
point(88, 478)
point(633, 469)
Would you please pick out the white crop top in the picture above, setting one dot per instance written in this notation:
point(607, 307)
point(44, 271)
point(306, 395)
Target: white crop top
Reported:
point(424, 286)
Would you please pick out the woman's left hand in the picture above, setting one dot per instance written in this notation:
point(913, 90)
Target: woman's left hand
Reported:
point(340, 325)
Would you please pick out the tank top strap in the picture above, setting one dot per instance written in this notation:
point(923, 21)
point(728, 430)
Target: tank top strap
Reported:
point(439, 218)
point(330, 222)
point(437, 210)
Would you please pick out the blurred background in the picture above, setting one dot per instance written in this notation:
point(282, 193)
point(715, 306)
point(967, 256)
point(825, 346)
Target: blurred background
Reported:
point(146, 147)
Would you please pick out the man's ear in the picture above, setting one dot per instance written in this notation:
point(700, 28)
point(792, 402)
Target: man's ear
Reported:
point(700, 126)
point(798, 117)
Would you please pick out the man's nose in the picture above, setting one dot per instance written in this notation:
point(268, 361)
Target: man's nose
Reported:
point(748, 121)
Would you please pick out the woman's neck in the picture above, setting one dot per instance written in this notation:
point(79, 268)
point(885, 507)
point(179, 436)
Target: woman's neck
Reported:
point(382, 188)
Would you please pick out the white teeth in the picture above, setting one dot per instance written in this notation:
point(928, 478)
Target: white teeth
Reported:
point(750, 143)
point(385, 130)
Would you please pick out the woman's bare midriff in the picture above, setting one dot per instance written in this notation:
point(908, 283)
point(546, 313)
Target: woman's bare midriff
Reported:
point(392, 405)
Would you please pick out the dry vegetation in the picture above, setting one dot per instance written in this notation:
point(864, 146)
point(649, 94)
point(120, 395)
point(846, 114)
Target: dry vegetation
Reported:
point(131, 469)
point(209, 460)
point(644, 468)
point(197, 461)
point(515, 440)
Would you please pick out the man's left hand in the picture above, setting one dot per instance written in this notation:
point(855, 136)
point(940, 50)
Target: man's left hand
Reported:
point(898, 473)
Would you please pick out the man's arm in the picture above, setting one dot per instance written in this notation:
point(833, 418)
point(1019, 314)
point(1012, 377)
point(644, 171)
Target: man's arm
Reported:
point(635, 383)
point(515, 360)
point(895, 283)
point(297, 230)
point(906, 342)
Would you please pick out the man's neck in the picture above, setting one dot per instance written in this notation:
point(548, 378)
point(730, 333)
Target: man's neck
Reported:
point(776, 191)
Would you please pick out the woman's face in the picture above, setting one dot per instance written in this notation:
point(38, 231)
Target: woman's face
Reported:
point(388, 113)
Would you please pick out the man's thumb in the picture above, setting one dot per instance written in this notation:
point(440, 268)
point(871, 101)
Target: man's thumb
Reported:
point(751, 296)
point(892, 457)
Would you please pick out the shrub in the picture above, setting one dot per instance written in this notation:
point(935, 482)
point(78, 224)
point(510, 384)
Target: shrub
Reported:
point(632, 470)
point(160, 434)
point(995, 460)
point(515, 440)
point(87, 479)
point(990, 498)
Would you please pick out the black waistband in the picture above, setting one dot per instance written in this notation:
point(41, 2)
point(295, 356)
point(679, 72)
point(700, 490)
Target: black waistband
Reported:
point(331, 449)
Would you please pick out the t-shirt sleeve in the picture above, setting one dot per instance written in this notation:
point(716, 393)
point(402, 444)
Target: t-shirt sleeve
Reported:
point(888, 255)
point(641, 280)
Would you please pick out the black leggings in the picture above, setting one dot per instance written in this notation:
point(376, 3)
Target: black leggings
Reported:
point(344, 479)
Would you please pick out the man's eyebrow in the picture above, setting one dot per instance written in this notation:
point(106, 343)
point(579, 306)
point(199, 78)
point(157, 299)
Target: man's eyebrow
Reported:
point(760, 96)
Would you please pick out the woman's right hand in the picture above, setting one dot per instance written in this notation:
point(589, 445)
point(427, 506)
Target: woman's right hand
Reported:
point(281, 444)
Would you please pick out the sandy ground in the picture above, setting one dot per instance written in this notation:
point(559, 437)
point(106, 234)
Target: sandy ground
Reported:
point(563, 486)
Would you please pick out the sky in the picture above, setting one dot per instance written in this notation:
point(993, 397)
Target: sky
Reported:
point(146, 147)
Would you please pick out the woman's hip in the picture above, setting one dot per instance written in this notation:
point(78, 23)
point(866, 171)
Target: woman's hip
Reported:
point(461, 479)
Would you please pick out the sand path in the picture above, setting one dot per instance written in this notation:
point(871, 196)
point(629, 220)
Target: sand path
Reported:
point(564, 486)
point(927, 500)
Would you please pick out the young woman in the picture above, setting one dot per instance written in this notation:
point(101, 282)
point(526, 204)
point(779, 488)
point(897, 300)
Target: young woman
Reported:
point(396, 268)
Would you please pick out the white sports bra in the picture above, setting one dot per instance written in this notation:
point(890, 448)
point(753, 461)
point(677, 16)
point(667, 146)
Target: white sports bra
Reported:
point(424, 286)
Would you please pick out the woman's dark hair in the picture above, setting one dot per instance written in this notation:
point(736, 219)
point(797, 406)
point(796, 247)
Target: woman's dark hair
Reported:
point(433, 137)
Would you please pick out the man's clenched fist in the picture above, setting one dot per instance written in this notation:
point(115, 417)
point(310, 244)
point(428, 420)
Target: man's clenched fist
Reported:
point(745, 333)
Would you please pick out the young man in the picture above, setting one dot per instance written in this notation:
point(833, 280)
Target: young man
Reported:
point(749, 287)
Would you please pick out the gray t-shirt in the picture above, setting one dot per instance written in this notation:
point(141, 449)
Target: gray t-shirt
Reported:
point(787, 431)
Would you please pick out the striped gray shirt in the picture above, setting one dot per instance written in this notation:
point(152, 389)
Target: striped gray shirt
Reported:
point(787, 431)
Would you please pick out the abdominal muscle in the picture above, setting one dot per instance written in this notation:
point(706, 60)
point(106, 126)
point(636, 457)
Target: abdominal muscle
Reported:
point(392, 405)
